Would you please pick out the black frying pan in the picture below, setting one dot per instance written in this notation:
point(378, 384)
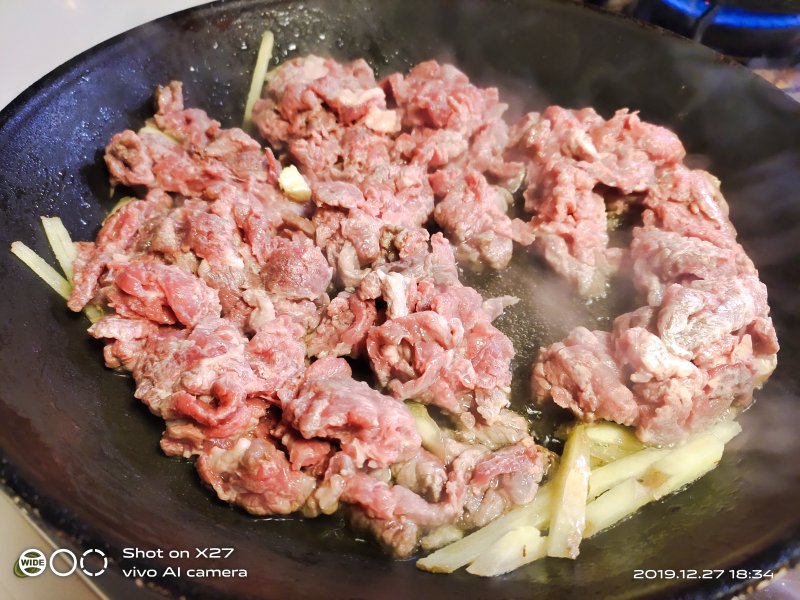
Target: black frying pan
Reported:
point(78, 447)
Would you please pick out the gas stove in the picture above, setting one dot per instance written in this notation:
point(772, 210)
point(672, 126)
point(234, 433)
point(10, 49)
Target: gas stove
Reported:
point(742, 28)
point(762, 34)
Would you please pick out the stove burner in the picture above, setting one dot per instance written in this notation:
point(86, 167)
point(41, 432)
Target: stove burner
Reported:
point(743, 28)
point(727, 16)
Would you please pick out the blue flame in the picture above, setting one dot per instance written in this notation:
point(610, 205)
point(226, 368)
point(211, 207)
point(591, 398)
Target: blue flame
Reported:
point(735, 17)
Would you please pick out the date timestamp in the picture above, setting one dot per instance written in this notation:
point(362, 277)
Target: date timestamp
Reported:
point(741, 574)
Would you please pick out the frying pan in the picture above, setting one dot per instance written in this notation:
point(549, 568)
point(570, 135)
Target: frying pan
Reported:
point(81, 450)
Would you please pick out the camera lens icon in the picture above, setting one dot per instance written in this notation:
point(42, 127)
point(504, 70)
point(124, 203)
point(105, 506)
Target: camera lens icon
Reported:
point(101, 556)
point(33, 562)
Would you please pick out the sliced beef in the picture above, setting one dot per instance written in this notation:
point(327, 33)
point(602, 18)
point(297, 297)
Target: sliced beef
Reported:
point(309, 454)
point(129, 338)
point(661, 257)
point(509, 428)
point(447, 354)
point(202, 375)
point(370, 427)
point(187, 438)
point(451, 126)
point(424, 474)
point(257, 476)
point(473, 215)
point(276, 353)
point(703, 341)
point(502, 480)
point(398, 536)
point(313, 95)
point(122, 232)
point(479, 486)
point(295, 269)
point(408, 354)
point(343, 328)
point(333, 120)
point(378, 168)
point(582, 374)
point(163, 294)
point(573, 156)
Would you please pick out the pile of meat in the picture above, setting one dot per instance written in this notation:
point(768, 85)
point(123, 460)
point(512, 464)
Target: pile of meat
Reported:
point(438, 155)
point(702, 340)
point(243, 313)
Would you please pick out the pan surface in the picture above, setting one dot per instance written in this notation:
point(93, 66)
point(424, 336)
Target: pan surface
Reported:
point(77, 446)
